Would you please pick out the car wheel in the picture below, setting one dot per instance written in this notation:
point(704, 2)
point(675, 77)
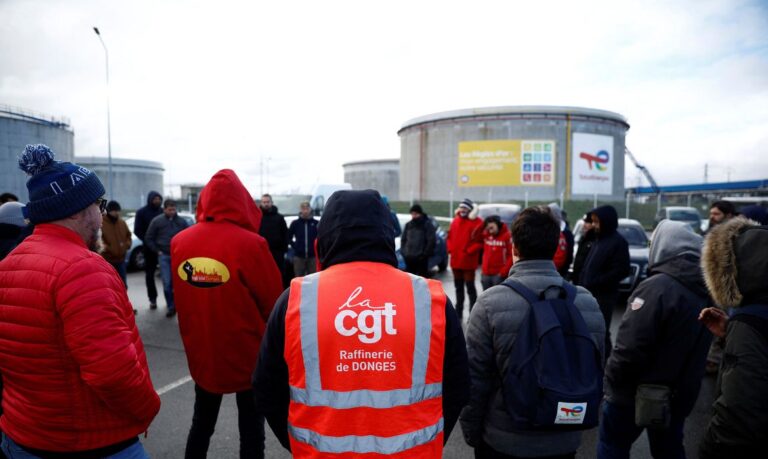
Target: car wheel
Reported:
point(137, 259)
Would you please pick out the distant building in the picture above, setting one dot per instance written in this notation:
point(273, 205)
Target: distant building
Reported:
point(19, 127)
point(190, 193)
point(382, 175)
point(133, 179)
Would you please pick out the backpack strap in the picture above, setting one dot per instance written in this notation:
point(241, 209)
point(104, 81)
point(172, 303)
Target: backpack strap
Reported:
point(754, 315)
point(759, 310)
point(521, 290)
point(531, 297)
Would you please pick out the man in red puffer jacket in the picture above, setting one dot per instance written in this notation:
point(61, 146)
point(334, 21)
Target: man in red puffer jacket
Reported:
point(497, 252)
point(73, 364)
point(225, 281)
point(464, 249)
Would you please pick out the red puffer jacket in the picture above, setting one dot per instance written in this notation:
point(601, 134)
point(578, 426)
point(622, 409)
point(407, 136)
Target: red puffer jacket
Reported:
point(462, 242)
point(225, 284)
point(497, 252)
point(73, 364)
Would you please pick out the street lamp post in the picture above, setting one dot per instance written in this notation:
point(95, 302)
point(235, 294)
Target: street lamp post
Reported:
point(109, 127)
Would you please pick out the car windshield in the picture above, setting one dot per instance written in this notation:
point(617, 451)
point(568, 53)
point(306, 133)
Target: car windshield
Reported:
point(507, 214)
point(684, 215)
point(635, 236)
point(288, 204)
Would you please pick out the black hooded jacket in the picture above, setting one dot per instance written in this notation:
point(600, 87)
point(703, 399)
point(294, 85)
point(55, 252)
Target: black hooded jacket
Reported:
point(356, 226)
point(607, 262)
point(660, 340)
point(274, 230)
point(145, 215)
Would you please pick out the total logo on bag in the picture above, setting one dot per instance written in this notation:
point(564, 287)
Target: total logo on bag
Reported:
point(570, 413)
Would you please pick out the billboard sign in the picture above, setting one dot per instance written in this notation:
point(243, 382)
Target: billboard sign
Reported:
point(509, 162)
point(592, 164)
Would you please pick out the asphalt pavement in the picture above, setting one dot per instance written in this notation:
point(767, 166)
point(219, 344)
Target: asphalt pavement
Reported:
point(167, 435)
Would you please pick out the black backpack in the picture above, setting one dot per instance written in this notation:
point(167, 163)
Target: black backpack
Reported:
point(554, 378)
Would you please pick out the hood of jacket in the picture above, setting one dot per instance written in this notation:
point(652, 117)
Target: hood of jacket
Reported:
point(224, 198)
point(609, 220)
point(151, 196)
point(502, 234)
point(672, 239)
point(355, 226)
point(734, 261)
point(272, 211)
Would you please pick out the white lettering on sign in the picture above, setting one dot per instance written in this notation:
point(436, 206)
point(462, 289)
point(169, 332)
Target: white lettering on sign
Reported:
point(366, 324)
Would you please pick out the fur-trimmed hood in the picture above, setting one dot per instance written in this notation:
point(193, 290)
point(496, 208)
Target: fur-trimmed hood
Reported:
point(735, 263)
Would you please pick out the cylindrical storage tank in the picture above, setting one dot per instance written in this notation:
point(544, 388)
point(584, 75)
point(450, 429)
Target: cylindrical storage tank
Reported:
point(382, 175)
point(18, 128)
point(133, 179)
point(513, 153)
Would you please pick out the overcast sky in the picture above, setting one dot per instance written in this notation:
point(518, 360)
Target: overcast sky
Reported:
point(202, 85)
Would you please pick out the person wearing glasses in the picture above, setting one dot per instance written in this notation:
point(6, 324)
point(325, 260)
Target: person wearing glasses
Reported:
point(75, 374)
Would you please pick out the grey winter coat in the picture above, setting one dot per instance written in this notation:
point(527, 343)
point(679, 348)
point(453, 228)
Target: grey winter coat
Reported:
point(160, 232)
point(491, 334)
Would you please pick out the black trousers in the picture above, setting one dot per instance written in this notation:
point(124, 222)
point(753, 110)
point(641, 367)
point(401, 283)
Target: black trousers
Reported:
point(418, 266)
point(250, 423)
point(483, 451)
point(150, 266)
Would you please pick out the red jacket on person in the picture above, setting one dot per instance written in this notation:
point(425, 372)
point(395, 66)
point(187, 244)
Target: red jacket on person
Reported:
point(73, 365)
point(497, 252)
point(225, 283)
point(462, 242)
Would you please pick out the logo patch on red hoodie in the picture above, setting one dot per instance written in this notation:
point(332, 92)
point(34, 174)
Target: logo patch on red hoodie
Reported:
point(203, 272)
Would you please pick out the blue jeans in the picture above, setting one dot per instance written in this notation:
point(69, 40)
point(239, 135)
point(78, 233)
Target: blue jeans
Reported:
point(122, 270)
point(618, 431)
point(166, 273)
point(14, 451)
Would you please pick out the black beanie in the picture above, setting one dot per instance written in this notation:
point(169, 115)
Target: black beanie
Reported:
point(417, 208)
point(113, 205)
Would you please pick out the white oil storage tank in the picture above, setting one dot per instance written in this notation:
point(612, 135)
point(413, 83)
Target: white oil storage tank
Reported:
point(20, 127)
point(513, 153)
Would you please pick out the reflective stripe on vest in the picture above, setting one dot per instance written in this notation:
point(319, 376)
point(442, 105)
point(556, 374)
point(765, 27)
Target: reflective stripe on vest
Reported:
point(366, 443)
point(423, 389)
point(316, 396)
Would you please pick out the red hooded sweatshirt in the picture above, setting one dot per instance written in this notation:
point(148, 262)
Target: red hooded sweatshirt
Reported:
point(225, 283)
point(463, 244)
point(497, 252)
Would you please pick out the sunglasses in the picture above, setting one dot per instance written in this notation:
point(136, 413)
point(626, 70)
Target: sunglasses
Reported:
point(102, 204)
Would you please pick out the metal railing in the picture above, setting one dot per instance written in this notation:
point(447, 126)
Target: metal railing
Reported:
point(22, 113)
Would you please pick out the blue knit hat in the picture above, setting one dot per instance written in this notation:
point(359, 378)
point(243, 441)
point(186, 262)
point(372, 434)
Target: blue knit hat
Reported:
point(57, 189)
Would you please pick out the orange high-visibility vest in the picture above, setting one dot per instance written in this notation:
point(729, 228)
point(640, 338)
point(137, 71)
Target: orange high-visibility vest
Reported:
point(364, 344)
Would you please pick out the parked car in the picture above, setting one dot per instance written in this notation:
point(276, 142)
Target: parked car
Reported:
point(507, 212)
point(439, 258)
point(678, 213)
point(135, 255)
point(639, 250)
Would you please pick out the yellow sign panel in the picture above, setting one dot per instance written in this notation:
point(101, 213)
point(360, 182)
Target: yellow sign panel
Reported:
point(510, 162)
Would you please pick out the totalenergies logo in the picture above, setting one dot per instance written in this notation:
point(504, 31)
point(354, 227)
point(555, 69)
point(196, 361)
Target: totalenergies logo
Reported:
point(600, 160)
point(369, 324)
point(572, 412)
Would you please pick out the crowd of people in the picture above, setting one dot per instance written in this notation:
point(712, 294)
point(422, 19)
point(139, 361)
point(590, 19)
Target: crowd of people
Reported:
point(348, 356)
